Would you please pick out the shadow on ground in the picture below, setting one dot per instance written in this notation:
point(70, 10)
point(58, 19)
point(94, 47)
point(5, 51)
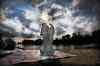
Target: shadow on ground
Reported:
point(49, 62)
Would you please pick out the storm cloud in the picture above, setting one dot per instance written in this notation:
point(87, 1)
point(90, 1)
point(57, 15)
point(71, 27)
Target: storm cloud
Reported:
point(70, 16)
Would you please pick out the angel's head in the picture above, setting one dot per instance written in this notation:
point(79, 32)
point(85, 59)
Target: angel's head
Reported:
point(45, 17)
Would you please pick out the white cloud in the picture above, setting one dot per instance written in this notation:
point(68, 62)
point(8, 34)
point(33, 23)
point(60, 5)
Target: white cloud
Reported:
point(32, 14)
point(35, 26)
point(14, 24)
point(74, 24)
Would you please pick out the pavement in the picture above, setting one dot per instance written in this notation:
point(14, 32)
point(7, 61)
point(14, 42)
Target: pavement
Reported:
point(29, 55)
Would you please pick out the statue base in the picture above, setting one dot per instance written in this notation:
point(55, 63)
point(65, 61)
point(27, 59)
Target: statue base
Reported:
point(35, 55)
point(58, 55)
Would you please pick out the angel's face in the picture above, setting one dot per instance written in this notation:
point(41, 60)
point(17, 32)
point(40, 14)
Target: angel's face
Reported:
point(45, 18)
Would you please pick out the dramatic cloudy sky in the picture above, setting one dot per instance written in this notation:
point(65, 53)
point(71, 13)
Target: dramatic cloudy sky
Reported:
point(21, 17)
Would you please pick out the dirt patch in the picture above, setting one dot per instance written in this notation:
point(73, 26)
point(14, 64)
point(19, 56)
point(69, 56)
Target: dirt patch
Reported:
point(84, 56)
